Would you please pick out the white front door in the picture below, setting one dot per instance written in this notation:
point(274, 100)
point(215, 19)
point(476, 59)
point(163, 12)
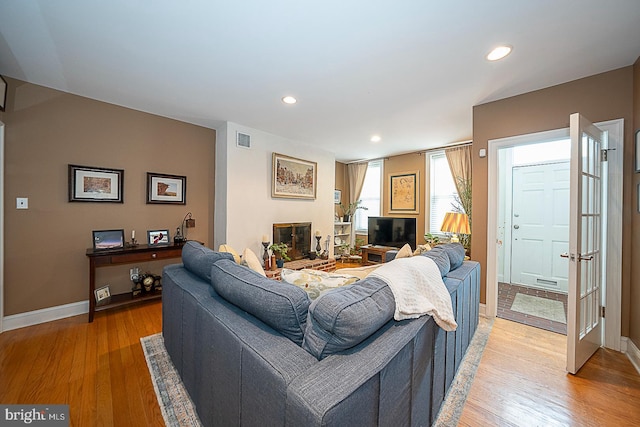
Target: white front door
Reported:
point(586, 258)
point(540, 226)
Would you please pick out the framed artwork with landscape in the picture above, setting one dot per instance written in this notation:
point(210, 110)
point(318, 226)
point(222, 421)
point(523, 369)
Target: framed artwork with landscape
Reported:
point(404, 192)
point(293, 178)
point(93, 184)
point(108, 239)
point(158, 237)
point(166, 189)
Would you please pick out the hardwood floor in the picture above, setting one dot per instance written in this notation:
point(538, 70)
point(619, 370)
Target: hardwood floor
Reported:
point(97, 368)
point(100, 371)
point(522, 381)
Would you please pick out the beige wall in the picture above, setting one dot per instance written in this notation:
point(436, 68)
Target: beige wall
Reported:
point(342, 184)
point(601, 97)
point(634, 178)
point(45, 246)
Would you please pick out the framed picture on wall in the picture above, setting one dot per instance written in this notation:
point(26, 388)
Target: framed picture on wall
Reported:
point(166, 189)
point(3, 93)
point(93, 184)
point(637, 144)
point(404, 192)
point(337, 196)
point(293, 178)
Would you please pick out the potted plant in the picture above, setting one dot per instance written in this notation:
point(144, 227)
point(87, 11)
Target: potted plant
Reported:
point(350, 209)
point(281, 251)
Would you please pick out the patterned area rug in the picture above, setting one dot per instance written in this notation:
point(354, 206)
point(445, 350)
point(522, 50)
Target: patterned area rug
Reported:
point(539, 307)
point(178, 410)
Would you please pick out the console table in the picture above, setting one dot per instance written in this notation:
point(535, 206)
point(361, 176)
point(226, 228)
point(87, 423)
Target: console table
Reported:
point(130, 255)
point(372, 254)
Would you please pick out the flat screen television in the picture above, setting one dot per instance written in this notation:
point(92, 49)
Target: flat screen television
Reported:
point(391, 231)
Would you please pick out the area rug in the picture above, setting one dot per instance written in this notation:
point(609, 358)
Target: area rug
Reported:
point(178, 410)
point(539, 307)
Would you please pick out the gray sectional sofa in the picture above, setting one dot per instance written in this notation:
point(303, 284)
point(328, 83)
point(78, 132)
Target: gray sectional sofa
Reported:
point(242, 345)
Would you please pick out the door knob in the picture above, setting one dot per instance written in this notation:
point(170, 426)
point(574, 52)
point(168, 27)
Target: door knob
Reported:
point(516, 226)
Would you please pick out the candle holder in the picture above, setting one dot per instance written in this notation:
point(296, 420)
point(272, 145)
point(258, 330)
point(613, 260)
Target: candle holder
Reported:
point(265, 255)
point(134, 242)
point(318, 247)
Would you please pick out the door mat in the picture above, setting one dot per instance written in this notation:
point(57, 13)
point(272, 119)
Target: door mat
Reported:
point(539, 307)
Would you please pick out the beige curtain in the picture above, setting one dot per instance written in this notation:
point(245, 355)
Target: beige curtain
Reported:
point(356, 173)
point(459, 159)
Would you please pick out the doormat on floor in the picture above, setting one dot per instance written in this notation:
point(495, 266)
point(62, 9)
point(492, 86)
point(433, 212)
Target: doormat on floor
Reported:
point(539, 307)
point(178, 410)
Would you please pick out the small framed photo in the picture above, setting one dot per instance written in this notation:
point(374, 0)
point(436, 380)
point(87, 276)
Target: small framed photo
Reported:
point(166, 189)
point(93, 184)
point(158, 237)
point(102, 294)
point(337, 196)
point(108, 239)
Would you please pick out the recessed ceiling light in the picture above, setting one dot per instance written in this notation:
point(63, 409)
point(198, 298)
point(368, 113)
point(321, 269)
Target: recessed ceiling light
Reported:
point(289, 100)
point(376, 138)
point(499, 53)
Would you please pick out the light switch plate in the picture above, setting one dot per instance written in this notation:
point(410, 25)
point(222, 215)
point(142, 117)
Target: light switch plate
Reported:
point(22, 203)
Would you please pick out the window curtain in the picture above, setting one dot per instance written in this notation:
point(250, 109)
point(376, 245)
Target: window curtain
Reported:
point(459, 159)
point(356, 173)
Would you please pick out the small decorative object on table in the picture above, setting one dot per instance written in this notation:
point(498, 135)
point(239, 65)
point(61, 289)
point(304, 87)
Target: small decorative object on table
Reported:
point(265, 254)
point(102, 294)
point(281, 251)
point(318, 237)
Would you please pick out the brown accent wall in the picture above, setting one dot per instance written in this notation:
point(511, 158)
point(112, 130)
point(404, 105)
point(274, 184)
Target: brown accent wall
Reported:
point(600, 97)
point(342, 184)
point(634, 178)
point(45, 246)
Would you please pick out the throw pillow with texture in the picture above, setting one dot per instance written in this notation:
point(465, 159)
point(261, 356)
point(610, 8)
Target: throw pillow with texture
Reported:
point(420, 249)
point(282, 306)
point(198, 259)
point(346, 316)
point(405, 252)
point(250, 259)
point(229, 249)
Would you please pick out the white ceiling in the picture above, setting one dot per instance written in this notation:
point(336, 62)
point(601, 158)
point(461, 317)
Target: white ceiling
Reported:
point(408, 70)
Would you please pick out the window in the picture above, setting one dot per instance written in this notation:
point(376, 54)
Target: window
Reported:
point(370, 196)
point(442, 191)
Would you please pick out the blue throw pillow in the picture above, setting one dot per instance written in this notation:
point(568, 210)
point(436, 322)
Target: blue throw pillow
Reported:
point(439, 255)
point(280, 305)
point(456, 254)
point(198, 259)
point(346, 316)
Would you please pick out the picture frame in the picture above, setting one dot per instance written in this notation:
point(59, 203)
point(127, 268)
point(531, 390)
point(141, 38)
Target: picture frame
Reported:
point(3, 94)
point(404, 192)
point(95, 184)
point(108, 239)
point(102, 294)
point(158, 237)
point(293, 178)
point(166, 189)
point(337, 197)
point(637, 144)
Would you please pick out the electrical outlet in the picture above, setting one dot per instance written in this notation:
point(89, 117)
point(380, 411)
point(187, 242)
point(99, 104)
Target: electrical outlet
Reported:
point(22, 203)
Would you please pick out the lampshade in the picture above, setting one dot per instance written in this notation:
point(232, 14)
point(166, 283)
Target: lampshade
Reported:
point(455, 222)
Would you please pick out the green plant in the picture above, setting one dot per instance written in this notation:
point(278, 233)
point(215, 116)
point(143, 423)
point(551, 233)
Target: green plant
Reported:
point(431, 239)
point(462, 204)
point(350, 209)
point(281, 250)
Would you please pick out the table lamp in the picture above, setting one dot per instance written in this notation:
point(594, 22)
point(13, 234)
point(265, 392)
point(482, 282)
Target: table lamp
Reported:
point(456, 223)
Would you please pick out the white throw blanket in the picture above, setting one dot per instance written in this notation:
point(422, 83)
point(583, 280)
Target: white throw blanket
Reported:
point(418, 290)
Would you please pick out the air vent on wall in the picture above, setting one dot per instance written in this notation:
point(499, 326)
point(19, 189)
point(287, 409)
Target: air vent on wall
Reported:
point(243, 140)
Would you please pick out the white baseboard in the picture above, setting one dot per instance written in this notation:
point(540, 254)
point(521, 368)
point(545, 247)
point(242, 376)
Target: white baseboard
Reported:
point(632, 352)
point(483, 310)
point(36, 317)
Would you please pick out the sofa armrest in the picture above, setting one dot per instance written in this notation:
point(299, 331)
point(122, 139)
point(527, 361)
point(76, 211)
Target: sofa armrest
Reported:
point(345, 388)
point(390, 255)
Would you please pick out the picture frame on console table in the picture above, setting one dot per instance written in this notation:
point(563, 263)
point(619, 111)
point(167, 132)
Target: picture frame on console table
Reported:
point(293, 178)
point(166, 189)
point(95, 184)
point(108, 239)
point(158, 237)
point(404, 192)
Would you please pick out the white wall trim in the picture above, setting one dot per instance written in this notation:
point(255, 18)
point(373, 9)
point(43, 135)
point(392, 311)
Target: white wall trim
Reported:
point(483, 310)
point(632, 352)
point(44, 315)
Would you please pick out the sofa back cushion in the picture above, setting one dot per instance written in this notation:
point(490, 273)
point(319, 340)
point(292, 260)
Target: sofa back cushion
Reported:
point(456, 254)
point(282, 306)
point(346, 316)
point(439, 255)
point(198, 259)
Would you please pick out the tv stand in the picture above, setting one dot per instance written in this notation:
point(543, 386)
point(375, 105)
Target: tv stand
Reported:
point(373, 254)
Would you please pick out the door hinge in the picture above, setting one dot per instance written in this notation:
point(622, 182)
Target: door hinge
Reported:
point(603, 155)
point(602, 312)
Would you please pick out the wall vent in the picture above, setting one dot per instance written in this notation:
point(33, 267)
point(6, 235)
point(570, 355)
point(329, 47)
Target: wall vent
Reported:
point(243, 140)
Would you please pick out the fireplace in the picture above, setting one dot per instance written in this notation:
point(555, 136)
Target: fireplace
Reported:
point(297, 235)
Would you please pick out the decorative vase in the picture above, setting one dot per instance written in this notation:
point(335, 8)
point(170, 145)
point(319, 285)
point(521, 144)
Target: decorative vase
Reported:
point(273, 262)
point(346, 218)
point(280, 263)
point(312, 256)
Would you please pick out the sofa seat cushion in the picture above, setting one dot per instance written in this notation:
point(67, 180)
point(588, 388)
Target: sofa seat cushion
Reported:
point(346, 316)
point(198, 259)
point(282, 306)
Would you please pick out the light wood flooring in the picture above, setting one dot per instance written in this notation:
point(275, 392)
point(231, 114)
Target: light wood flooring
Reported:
point(100, 371)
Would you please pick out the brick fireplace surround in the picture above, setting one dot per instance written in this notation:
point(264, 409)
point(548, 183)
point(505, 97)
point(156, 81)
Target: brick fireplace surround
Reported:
point(300, 264)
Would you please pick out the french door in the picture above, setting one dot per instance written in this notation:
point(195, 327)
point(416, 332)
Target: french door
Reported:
point(586, 257)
